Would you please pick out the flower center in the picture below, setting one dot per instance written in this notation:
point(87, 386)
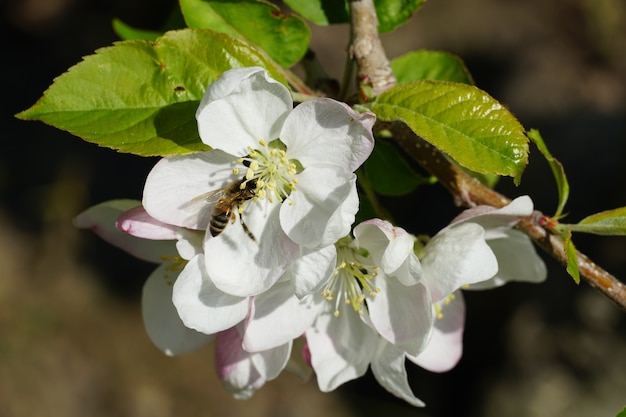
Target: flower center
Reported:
point(274, 174)
point(350, 283)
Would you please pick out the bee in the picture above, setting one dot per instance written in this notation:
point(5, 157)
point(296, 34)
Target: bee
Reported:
point(228, 202)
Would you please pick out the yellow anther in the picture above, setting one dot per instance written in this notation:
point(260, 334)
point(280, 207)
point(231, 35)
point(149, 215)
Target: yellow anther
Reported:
point(235, 171)
point(262, 142)
point(336, 313)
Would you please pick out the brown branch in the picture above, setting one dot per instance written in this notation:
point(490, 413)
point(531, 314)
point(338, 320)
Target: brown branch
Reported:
point(468, 191)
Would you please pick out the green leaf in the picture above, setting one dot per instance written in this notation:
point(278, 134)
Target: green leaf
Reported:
point(622, 413)
point(285, 38)
point(430, 65)
point(140, 97)
point(557, 170)
point(572, 258)
point(461, 120)
point(129, 33)
point(389, 173)
point(391, 13)
point(609, 223)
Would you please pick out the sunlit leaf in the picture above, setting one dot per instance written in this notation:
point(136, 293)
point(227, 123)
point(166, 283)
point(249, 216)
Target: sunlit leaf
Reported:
point(391, 13)
point(461, 120)
point(140, 97)
point(430, 65)
point(610, 223)
point(557, 170)
point(283, 37)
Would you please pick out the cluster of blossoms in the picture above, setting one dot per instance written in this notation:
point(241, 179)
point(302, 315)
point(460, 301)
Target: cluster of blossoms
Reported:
point(255, 250)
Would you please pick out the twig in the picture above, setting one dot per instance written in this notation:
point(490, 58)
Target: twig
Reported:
point(375, 76)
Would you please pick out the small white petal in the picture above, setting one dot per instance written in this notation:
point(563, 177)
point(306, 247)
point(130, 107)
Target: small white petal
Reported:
point(390, 372)
point(177, 188)
point(445, 347)
point(271, 362)
point(311, 269)
point(201, 305)
point(492, 218)
point(243, 267)
point(277, 317)
point(139, 223)
point(402, 315)
point(161, 319)
point(517, 261)
point(389, 246)
point(312, 219)
point(455, 257)
point(327, 131)
point(241, 107)
point(101, 220)
point(341, 349)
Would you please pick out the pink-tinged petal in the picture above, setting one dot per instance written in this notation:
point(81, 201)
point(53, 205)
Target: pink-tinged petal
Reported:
point(329, 132)
point(101, 219)
point(161, 319)
point(445, 348)
point(235, 367)
point(455, 257)
point(201, 305)
point(491, 218)
point(323, 207)
point(178, 187)
point(517, 261)
point(139, 223)
point(243, 267)
point(400, 314)
point(277, 317)
point(341, 349)
point(241, 107)
point(311, 269)
point(390, 372)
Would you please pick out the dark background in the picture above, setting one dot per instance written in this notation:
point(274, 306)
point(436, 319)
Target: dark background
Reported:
point(73, 343)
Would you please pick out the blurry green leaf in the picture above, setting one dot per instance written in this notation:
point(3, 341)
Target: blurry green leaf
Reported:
point(129, 33)
point(488, 180)
point(622, 413)
point(461, 120)
point(557, 170)
point(610, 223)
point(140, 97)
point(391, 13)
point(430, 65)
point(572, 259)
point(389, 173)
point(285, 38)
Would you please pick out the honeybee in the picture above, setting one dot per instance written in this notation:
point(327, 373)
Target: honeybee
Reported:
point(228, 202)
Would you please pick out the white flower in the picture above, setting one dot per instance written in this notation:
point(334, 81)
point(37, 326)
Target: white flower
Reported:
point(152, 241)
point(478, 250)
point(292, 170)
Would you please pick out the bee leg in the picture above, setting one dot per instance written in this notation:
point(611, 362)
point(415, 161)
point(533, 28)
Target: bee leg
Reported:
point(246, 229)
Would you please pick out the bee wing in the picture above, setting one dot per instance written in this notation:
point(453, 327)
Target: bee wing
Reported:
point(199, 209)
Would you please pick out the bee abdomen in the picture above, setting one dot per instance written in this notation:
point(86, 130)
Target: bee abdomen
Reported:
point(218, 223)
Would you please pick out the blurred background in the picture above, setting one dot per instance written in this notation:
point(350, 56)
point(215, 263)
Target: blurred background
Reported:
point(73, 342)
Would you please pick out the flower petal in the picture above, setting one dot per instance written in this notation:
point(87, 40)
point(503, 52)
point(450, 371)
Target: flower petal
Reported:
point(277, 317)
point(445, 347)
point(325, 130)
point(402, 315)
point(161, 319)
point(177, 188)
point(235, 367)
point(390, 246)
point(271, 362)
point(241, 107)
point(455, 257)
point(341, 349)
point(243, 267)
point(139, 223)
point(517, 261)
point(101, 220)
point(201, 305)
point(492, 218)
point(390, 372)
point(323, 207)
point(311, 269)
